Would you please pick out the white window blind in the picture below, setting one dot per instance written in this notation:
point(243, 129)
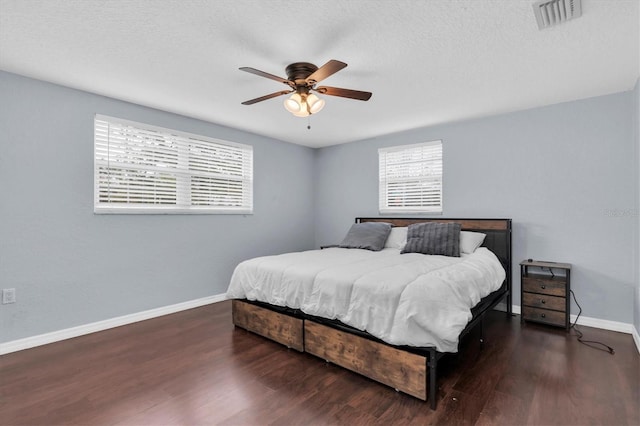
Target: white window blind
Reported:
point(411, 178)
point(146, 169)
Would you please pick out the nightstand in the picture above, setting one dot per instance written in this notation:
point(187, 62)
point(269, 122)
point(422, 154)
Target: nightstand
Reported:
point(544, 292)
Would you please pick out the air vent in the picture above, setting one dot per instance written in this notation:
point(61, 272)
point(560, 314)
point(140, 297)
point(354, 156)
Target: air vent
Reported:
point(554, 12)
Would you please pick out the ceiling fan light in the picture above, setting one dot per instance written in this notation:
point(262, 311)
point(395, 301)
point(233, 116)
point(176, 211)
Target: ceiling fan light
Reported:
point(303, 111)
point(294, 104)
point(315, 103)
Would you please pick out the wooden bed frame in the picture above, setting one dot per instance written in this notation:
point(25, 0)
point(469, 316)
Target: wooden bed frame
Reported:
point(408, 369)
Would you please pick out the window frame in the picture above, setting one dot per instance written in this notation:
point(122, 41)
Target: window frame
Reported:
point(185, 174)
point(383, 179)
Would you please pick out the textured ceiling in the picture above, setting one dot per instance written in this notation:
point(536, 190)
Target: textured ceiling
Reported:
point(426, 61)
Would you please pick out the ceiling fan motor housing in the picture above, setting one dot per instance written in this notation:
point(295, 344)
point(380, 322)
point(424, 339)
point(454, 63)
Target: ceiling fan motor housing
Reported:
point(299, 71)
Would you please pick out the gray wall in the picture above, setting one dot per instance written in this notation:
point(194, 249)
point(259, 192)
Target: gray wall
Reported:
point(71, 267)
point(563, 173)
point(636, 210)
point(543, 168)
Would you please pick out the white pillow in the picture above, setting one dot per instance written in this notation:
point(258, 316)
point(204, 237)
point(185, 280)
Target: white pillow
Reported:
point(469, 241)
point(397, 238)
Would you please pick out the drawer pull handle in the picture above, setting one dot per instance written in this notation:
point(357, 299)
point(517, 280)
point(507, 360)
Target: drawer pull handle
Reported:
point(543, 301)
point(543, 287)
point(543, 315)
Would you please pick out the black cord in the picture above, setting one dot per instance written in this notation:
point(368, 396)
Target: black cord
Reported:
point(589, 343)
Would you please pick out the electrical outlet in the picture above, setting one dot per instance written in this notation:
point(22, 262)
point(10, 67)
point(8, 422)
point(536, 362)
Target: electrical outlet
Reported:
point(8, 296)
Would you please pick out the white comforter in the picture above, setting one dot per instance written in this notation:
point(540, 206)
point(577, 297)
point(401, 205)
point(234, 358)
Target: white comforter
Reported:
point(410, 299)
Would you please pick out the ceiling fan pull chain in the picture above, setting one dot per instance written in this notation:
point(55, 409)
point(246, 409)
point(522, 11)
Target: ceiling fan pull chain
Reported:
point(308, 122)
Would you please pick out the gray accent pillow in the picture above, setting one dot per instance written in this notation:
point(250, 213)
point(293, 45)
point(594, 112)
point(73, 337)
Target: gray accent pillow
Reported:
point(368, 235)
point(434, 238)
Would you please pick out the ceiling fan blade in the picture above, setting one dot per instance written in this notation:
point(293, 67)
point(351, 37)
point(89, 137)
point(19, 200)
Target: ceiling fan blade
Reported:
point(266, 74)
point(344, 93)
point(265, 97)
point(326, 70)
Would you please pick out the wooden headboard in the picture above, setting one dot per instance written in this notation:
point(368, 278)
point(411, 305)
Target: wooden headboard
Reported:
point(498, 232)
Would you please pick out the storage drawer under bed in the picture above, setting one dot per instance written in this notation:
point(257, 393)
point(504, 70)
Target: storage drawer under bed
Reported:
point(404, 371)
point(281, 328)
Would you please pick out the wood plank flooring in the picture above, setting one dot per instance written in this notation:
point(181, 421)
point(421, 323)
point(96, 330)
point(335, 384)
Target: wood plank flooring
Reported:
point(195, 368)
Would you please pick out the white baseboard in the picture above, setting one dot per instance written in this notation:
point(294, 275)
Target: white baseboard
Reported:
point(621, 327)
point(68, 333)
point(56, 336)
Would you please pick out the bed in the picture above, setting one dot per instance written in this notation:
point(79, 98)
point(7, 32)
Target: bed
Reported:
point(387, 316)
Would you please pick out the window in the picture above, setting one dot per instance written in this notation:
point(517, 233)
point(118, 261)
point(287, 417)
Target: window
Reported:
point(146, 169)
point(411, 178)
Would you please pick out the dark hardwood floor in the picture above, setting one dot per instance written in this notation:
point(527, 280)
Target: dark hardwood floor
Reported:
point(193, 368)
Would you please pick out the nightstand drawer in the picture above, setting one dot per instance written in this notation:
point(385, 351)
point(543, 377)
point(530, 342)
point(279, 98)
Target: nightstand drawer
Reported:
point(544, 315)
point(538, 284)
point(544, 301)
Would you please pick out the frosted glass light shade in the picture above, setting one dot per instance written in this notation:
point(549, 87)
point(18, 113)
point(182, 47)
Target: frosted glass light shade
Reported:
point(303, 112)
point(315, 103)
point(294, 104)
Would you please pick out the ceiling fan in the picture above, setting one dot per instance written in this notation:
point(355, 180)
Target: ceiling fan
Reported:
point(302, 80)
